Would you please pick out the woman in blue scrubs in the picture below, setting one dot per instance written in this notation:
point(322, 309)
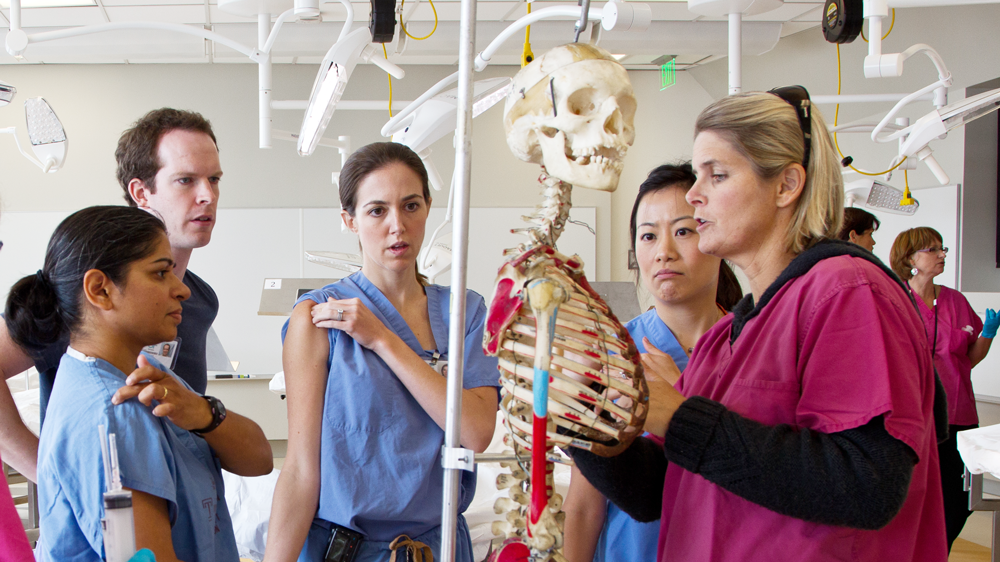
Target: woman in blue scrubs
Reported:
point(363, 362)
point(691, 291)
point(108, 283)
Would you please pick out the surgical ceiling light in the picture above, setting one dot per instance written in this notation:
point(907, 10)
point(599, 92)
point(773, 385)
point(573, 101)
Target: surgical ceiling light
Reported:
point(438, 117)
point(877, 196)
point(938, 122)
point(48, 139)
point(331, 80)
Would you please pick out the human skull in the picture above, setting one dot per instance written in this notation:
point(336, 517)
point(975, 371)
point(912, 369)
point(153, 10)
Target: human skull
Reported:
point(573, 111)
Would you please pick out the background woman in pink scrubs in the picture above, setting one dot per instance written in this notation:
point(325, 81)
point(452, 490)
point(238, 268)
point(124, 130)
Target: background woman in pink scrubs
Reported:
point(959, 341)
point(803, 428)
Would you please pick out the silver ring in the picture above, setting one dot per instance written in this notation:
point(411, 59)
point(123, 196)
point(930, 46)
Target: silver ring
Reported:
point(340, 315)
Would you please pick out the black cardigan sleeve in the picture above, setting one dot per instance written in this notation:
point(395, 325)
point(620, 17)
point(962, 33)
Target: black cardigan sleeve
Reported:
point(855, 478)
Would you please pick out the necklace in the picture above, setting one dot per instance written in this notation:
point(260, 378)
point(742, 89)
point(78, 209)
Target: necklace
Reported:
point(722, 313)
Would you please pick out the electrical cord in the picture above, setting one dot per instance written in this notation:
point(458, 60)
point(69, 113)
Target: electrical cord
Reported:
point(401, 26)
point(836, 117)
point(526, 55)
point(386, 53)
point(891, 24)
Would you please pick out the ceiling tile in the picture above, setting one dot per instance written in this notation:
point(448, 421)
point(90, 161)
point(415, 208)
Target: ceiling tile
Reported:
point(168, 14)
point(109, 3)
point(219, 16)
point(61, 17)
point(793, 27)
point(785, 13)
point(815, 15)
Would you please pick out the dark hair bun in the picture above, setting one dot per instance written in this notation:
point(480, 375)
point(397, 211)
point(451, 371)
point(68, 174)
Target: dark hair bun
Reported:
point(32, 315)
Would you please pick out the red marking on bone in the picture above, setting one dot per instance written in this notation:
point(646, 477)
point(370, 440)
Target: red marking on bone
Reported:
point(539, 487)
point(590, 333)
point(572, 416)
point(592, 354)
point(502, 312)
point(513, 550)
point(586, 397)
point(573, 263)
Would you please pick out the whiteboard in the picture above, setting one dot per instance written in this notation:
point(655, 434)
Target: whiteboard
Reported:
point(250, 245)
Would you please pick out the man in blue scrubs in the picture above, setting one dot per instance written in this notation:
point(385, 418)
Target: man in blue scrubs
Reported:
point(168, 163)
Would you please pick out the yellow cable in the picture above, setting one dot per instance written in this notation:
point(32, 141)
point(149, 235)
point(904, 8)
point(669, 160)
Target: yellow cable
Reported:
point(386, 53)
point(907, 198)
point(891, 24)
point(401, 26)
point(526, 55)
point(836, 117)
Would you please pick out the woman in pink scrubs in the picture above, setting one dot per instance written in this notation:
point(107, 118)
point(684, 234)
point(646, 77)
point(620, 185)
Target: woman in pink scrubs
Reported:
point(959, 341)
point(803, 428)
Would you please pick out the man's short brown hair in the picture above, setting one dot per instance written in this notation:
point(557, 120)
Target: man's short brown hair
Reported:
point(137, 148)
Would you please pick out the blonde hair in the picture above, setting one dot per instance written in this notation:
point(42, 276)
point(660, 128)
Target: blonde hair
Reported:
point(906, 244)
point(765, 129)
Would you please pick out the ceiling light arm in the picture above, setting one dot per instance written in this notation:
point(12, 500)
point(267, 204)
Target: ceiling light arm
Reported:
point(12, 131)
point(348, 21)
point(254, 54)
point(899, 105)
point(483, 59)
point(486, 54)
point(285, 16)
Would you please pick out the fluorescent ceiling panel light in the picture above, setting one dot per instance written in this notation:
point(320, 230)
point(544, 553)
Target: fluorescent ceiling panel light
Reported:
point(48, 139)
point(50, 3)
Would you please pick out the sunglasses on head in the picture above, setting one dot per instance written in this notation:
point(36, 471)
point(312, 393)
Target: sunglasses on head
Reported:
point(798, 98)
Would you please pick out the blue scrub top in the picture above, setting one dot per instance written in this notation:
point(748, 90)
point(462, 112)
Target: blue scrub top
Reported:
point(623, 538)
point(380, 453)
point(156, 457)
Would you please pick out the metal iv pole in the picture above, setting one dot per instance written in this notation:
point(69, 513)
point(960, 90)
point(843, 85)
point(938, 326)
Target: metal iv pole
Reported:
point(454, 458)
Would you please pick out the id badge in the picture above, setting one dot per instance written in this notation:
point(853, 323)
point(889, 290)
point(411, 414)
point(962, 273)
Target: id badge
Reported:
point(438, 364)
point(165, 352)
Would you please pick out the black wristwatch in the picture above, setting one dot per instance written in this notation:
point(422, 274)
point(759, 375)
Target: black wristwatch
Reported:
point(218, 415)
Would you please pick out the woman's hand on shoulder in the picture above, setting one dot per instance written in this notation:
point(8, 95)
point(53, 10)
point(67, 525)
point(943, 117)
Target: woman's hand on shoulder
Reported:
point(174, 401)
point(353, 318)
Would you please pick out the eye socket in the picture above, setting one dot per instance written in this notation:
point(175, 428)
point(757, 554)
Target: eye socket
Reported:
point(683, 232)
point(582, 101)
point(647, 237)
point(412, 206)
point(376, 211)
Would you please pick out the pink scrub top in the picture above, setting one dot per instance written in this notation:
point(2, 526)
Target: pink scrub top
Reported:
point(14, 545)
point(833, 349)
point(958, 328)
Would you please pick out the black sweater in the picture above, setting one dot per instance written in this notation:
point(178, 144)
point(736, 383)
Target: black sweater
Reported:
point(855, 478)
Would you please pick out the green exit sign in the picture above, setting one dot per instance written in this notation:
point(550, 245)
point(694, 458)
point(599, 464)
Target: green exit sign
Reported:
point(668, 75)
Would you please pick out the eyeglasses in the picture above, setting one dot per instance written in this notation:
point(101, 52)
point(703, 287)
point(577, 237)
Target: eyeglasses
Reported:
point(933, 250)
point(798, 98)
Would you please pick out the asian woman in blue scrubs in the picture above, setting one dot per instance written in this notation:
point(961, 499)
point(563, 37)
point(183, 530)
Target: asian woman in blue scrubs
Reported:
point(366, 397)
point(691, 291)
point(108, 283)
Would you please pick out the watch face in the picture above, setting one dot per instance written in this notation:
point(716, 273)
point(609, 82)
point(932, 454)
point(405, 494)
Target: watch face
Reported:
point(220, 407)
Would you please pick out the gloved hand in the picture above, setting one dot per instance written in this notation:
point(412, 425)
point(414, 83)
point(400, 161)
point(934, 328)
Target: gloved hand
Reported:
point(991, 324)
point(144, 555)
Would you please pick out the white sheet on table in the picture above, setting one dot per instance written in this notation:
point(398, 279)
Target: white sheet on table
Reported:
point(980, 449)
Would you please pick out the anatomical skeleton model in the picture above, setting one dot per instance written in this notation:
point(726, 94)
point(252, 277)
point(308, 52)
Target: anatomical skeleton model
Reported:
point(564, 357)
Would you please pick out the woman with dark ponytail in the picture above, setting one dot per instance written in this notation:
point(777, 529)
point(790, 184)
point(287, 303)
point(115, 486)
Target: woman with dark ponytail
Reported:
point(691, 291)
point(108, 284)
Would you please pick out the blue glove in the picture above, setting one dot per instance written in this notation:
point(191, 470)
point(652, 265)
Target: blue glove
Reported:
point(991, 324)
point(144, 555)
